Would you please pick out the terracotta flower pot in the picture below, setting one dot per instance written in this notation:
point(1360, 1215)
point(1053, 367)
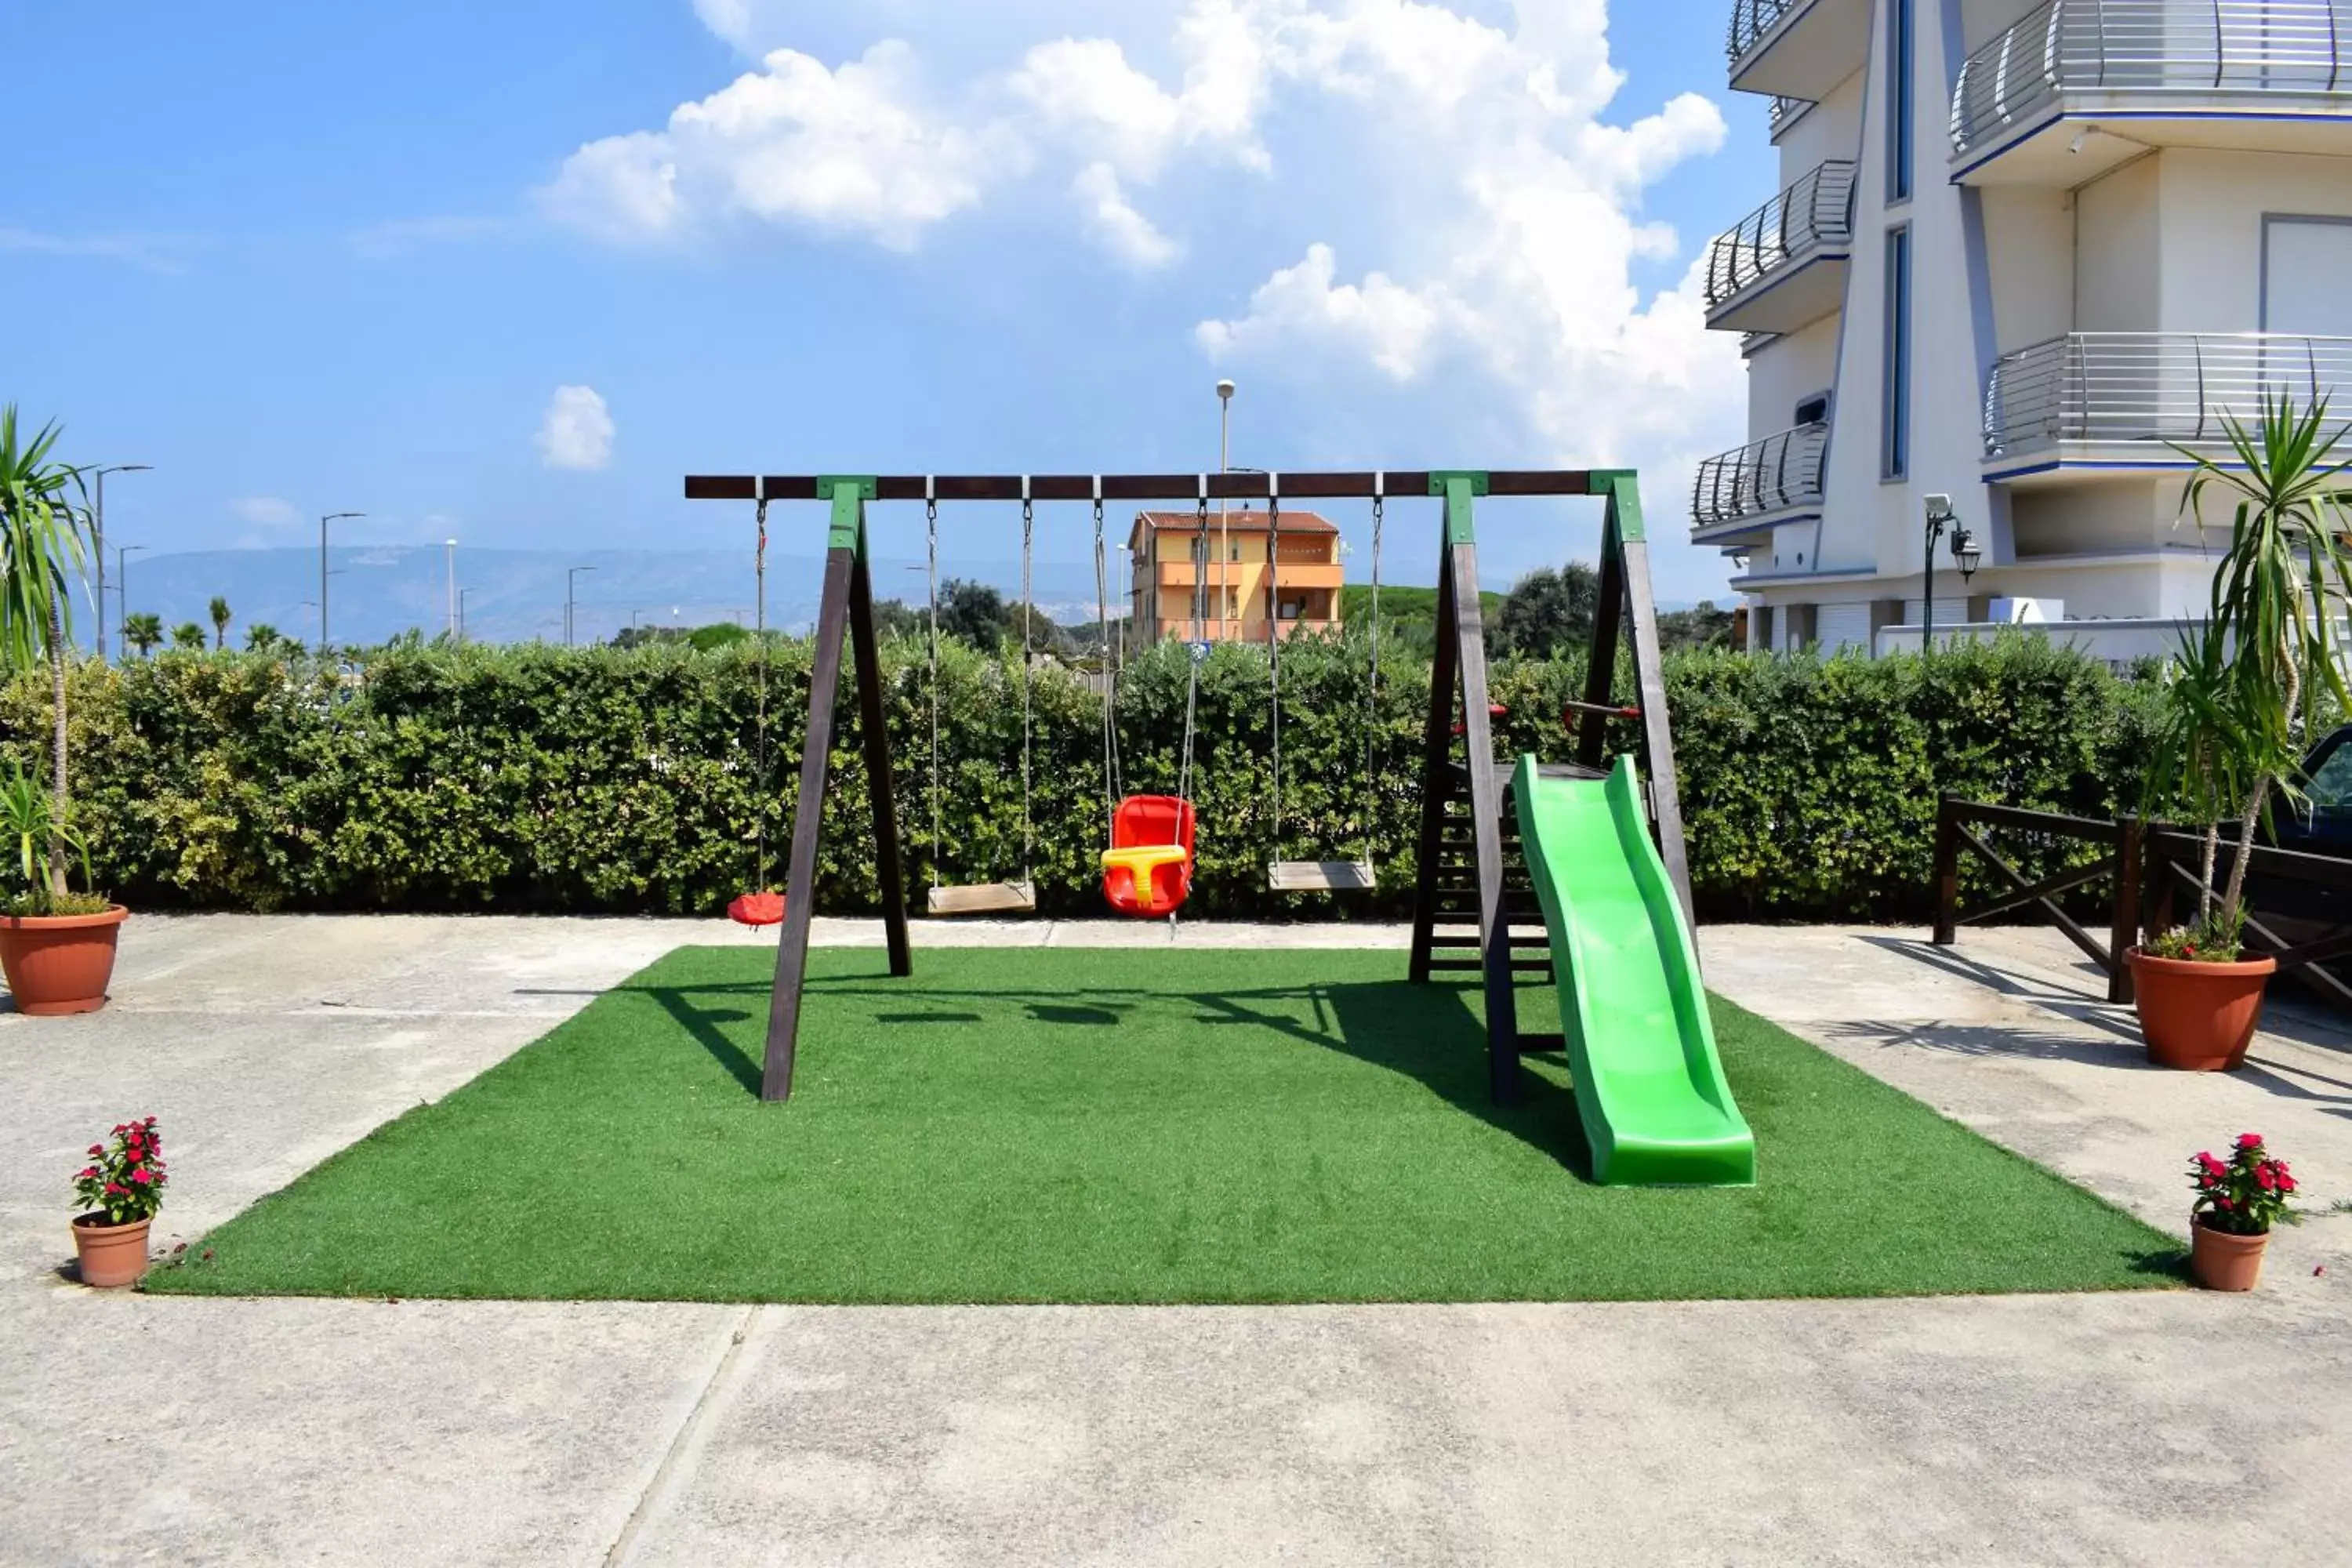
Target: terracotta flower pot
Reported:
point(59, 963)
point(2222, 1262)
point(2198, 1017)
point(111, 1256)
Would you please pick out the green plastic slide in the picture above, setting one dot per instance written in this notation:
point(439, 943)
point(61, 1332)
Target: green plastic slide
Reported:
point(1649, 1085)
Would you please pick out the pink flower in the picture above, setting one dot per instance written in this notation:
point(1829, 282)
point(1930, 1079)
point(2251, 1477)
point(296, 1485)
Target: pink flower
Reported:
point(140, 1175)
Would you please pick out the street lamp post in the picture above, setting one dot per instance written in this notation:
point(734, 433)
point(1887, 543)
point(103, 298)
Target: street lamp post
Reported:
point(122, 580)
point(98, 538)
point(571, 599)
point(331, 517)
point(1224, 538)
point(461, 615)
point(452, 547)
point(1965, 554)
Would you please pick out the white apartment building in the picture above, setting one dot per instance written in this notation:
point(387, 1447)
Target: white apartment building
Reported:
point(2019, 249)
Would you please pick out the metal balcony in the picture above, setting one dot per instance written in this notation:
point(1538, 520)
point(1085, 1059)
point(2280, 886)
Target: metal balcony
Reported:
point(1784, 265)
point(1796, 48)
point(2130, 397)
point(1744, 493)
point(2252, 75)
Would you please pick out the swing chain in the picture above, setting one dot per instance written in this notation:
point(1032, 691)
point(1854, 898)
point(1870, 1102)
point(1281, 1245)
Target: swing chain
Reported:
point(1109, 673)
point(1273, 636)
point(760, 617)
point(1028, 832)
point(1192, 662)
point(1372, 690)
point(931, 587)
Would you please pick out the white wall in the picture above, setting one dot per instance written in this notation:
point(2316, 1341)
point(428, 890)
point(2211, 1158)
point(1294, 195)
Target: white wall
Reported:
point(1830, 129)
point(2116, 252)
point(2029, 253)
point(2213, 204)
point(1786, 370)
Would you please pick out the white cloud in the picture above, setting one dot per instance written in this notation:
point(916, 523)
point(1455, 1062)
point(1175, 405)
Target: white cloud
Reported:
point(577, 430)
point(266, 511)
point(1114, 225)
point(1378, 319)
point(163, 253)
point(1462, 157)
point(857, 150)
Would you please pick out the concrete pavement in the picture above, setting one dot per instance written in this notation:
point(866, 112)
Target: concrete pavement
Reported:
point(2141, 1427)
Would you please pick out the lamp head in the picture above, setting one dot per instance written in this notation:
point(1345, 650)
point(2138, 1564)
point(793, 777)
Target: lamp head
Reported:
point(1940, 509)
point(1965, 551)
point(1225, 392)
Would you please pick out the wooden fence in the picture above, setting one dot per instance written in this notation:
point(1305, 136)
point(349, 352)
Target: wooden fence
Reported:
point(2299, 905)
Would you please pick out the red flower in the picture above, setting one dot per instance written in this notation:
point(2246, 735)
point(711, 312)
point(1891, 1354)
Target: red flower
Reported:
point(2286, 1183)
point(150, 1121)
point(87, 1174)
point(2249, 1139)
point(97, 1148)
point(140, 1175)
point(116, 1187)
point(2223, 1203)
point(2263, 1176)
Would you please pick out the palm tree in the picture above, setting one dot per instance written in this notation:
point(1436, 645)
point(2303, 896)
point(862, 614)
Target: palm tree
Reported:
point(143, 631)
point(220, 622)
point(261, 638)
point(45, 532)
point(2271, 641)
point(188, 637)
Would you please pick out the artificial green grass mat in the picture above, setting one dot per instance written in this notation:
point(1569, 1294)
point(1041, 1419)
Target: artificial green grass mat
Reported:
point(1168, 1125)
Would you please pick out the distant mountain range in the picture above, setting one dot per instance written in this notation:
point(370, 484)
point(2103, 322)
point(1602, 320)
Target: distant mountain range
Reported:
point(374, 591)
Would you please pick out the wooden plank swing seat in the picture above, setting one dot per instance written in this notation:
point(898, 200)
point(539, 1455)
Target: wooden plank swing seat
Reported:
point(985, 898)
point(1321, 876)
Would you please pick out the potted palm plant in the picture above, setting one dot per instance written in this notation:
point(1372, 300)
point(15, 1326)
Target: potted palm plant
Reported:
point(57, 946)
point(2235, 703)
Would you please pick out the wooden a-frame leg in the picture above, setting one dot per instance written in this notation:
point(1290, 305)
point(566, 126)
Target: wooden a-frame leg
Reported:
point(872, 719)
point(808, 818)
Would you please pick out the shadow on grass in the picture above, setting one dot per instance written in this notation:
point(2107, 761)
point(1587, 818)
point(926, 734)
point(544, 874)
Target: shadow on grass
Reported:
point(1430, 1034)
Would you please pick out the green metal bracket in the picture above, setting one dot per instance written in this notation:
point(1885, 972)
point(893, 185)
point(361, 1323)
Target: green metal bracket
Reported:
point(1623, 489)
point(849, 494)
point(1458, 487)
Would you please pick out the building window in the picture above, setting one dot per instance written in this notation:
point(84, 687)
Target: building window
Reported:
point(1900, 109)
point(1895, 427)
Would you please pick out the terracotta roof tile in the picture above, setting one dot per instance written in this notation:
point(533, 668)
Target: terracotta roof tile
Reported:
point(1237, 520)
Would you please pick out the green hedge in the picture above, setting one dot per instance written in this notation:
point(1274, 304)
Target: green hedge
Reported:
point(538, 778)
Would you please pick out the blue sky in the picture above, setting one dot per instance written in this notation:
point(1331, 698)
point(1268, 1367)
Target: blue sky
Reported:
point(507, 271)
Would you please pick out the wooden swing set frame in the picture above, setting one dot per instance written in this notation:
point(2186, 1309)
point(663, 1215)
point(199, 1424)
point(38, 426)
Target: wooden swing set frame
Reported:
point(1627, 619)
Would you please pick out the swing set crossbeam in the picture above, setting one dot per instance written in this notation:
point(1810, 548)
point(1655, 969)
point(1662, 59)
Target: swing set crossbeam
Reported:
point(1340, 486)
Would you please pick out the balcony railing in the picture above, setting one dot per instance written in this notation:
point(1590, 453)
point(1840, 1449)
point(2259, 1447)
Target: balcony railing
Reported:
point(1750, 20)
point(1774, 474)
point(2165, 48)
point(1786, 111)
point(1814, 212)
point(2154, 388)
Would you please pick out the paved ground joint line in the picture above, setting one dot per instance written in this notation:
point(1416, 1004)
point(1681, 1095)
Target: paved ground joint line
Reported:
point(659, 1488)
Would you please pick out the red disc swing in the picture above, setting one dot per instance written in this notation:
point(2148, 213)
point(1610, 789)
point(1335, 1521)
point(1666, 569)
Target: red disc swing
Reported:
point(763, 905)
